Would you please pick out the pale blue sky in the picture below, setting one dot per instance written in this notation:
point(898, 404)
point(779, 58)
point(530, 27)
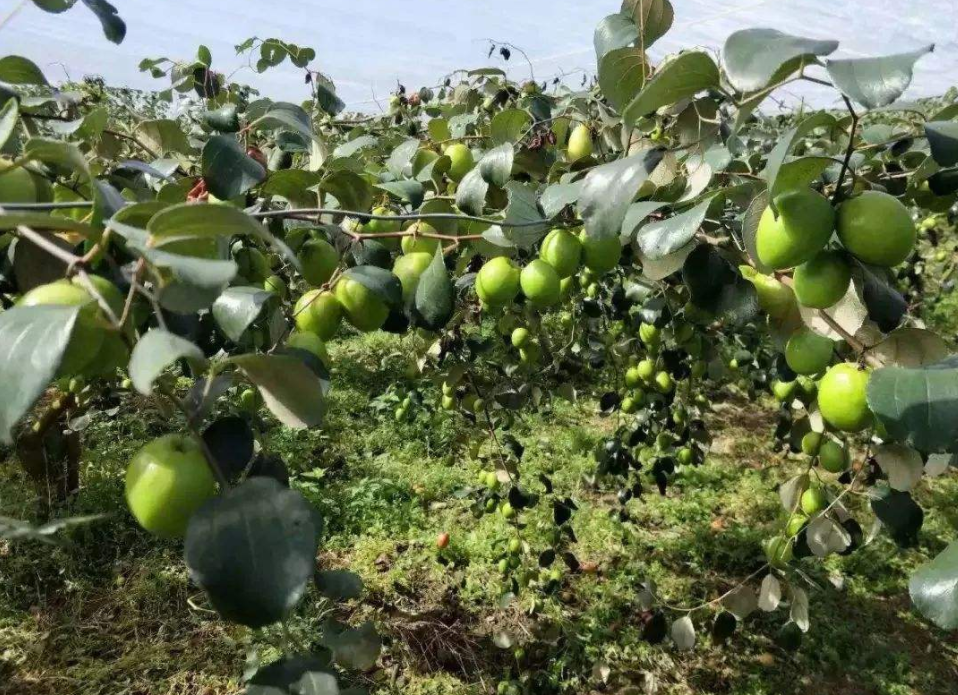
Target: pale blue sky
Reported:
point(367, 45)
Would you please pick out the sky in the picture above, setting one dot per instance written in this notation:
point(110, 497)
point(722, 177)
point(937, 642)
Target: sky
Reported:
point(367, 46)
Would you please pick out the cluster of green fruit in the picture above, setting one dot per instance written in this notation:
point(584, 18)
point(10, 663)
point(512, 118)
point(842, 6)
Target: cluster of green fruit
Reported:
point(454, 394)
point(544, 281)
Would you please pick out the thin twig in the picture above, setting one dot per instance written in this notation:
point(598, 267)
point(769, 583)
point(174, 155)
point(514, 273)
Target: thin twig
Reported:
point(848, 150)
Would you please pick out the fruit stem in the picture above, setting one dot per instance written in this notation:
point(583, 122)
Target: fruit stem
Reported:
point(836, 197)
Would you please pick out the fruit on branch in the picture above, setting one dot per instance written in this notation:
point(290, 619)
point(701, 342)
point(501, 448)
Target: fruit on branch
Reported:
point(409, 268)
point(276, 285)
point(784, 391)
point(807, 352)
point(877, 228)
point(250, 400)
point(833, 457)
point(88, 331)
point(417, 244)
point(629, 405)
point(778, 552)
point(650, 334)
point(843, 397)
point(319, 312)
point(812, 443)
point(530, 354)
point(563, 251)
point(310, 342)
point(540, 284)
point(600, 255)
point(362, 307)
point(646, 369)
point(319, 261)
point(795, 524)
point(384, 227)
point(520, 337)
point(822, 281)
point(633, 377)
point(251, 264)
point(462, 161)
point(813, 501)
point(16, 185)
point(802, 227)
point(664, 382)
point(166, 482)
point(497, 282)
point(580, 143)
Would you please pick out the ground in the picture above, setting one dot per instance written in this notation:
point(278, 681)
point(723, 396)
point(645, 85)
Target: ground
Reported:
point(110, 611)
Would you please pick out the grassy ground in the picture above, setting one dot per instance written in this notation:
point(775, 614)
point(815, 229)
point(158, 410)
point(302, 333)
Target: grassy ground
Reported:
point(111, 611)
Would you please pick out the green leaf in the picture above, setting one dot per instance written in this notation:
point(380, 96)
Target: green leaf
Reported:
point(294, 185)
point(352, 648)
point(202, 220)
point(39, 220)
point(433, 303)
point(9, 116)
point(339, 585)
point(114, 28)
point(776, 158)
point(350, 189)
point(874, 82)
point(62, 154)
point(282, 677)
point(557, 196)
point(196, 283)
point(282, 115)
point(717, 287)
point(653, 18)
point(316, 683)
point(799, 173)
point(253, 550)
point(237, 307)
point(508, 125)
point(32, 342)
point(609, 189)
point(636, 213)
point(522, 209)
point(471, 192)
point(934, 588)
point(326, 96)
point(753, 56)
point(290, 389)
point(659, 239)
point(224, 119)
point(943, 141)
point(495, 166)
point(614, 32)
point(408, 191)
point(164, 136)
point(227, 169)
point(439, 130)
point(351, 147)
point(918, 406)
point(400, 157)
point(379, 281)
point(682, 77)
point(622, 74)
point(19, 70)
point(54, 6)
point(204, 56)
point(89, 127)
point(155, 352)
point(899, 513)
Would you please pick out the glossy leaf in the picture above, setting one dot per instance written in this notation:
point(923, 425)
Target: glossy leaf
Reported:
point(290, 389)
point(679, 78)
point(227, 169)
point(934, 588)
point(609, 189)
point(874, 82)
point(751, 57)
point(155, 352)
point(943, 140)
point(663, 237)
point(614, 32)
point(653, 18)
point(508, 125)
point(237, 307)
point(32, 343)
point(20, 70)
point(434, 300)
point(622, 74)
point(253, 550)
point(230, 442)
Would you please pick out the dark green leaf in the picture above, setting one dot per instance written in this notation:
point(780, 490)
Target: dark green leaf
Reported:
point(224, 119)
point(717, 287)
point(39, 220)
point(32, 342)
point(197, 220)
point(495, 166)
point(227, 169)
point(899, 513)
point(622, 73)
point(164, 136)
point(609, 189)
point(353, 648)
point(918, 406)
point(636, 213)
point(280, 677)
point(19, 70)
point(681, 77)
point(886, 307)
point(253, 550)
point(290, 389)
point(753, 56)
point(434, 300)
point(557, 196)
point(507, 125)
point(9, 115)
point(326, 96)
point(408, 191)
point(653, 18)
point(401, 157)
point(237, 308)
point(62, 154)
point(522, 209)
point(659, 239)
point(230, 441)
point(204, 56)
point(155, 352)
point(294, 185)
point(934, 588)
point(379, 281)
point(471, 193)
point(351, 147)
point(776, 158)
point(339, 585)
point(874, 82)
point(943, 140)
point(349, 188)
point(613, 32)
point(114, 28)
